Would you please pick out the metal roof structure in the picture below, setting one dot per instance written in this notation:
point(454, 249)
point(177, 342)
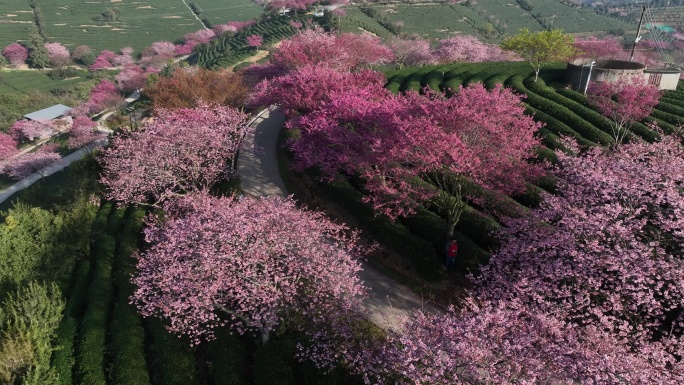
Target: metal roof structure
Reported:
point(48, 113)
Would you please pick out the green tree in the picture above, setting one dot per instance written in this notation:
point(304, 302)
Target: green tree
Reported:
point(541, 47)
point(38, 55)
point(28, 321)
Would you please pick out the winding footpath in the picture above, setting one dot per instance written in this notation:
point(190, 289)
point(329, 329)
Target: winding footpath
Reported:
point(387, 300)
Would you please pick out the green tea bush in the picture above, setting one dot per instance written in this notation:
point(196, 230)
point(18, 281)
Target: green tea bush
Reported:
point(274, 363)
point(228, 359)
point(174, 360)
point(128, 363)
point(91, 347)
point(393, 235)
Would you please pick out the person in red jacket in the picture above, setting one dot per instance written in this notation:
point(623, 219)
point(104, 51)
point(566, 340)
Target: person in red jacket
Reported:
point(450, 258)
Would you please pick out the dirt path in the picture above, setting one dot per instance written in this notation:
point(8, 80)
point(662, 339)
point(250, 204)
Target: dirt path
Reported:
point(387, 300)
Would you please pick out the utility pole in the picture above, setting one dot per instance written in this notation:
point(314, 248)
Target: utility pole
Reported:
point(637, 38)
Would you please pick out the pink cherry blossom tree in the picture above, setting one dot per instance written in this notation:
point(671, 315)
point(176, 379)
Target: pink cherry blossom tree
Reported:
point(103, 61)
point(606, 252)
point(469, 49)
point(199, 37)
point(305, 89)
point(508, 343)
point(183, 150)
point(245, 263)
point(624, 102)
point(83, 133)
point(29, 130)
point(103, 96)
point(395, 143)
point(58, 54)
point(15, 53)
point(33, 162)
point(254, 41)
point(8, 146)
point(607, 48)
point(131, 78)
point(338, 51)
point(411, 52)
point(158, 54)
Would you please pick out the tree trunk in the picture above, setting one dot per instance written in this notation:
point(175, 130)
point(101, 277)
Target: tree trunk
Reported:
point(265, 335)
point(536, 73)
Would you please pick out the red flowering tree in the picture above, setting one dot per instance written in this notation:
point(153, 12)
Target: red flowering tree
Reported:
point(8, 146)
point(606, 252)
point(254, 41)
point(246, 263)
point(183, 150)
point(624, 102)
point(395, 142)
point(32, 162)
point(305, 89)
point(58, 54)
point(15, 53)
point(339, 51)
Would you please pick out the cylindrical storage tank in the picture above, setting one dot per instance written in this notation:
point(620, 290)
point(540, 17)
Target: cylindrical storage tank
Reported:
point(578, 71)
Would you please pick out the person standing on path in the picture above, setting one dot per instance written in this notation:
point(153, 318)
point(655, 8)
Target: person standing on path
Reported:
point(450, 257)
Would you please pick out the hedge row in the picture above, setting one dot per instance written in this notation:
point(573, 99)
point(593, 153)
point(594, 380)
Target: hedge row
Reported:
point(92, 341)
point(556, 126)
point(127, 341)
point(673, 101)
point(174, 360)
point(63, 359)
point(672, 119)
point(393, 235)
point(561, 113)
point(672, 109)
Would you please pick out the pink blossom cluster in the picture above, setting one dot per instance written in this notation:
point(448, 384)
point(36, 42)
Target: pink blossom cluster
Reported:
point(83, 133)
point(181, 151)
point(254, 40)
point(245, 263)
point(624, 102)
point(8, 146)
point(28, 130)
point(469, 49)
point(604, 254)
point(133, 77)
point(103, 96)
point(27, 164)
point(606, 48)
point(58, 54)
point(103, 61)
point(15, 53)
point(339, 51)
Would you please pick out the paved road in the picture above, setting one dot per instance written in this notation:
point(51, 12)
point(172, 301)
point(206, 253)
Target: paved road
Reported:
point(388, 300)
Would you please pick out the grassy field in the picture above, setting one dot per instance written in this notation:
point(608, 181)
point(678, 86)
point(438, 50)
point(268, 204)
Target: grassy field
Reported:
point(222, 11)
point(443, 20)
point(12, 82)
point(140, 23)
point(16, 18)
